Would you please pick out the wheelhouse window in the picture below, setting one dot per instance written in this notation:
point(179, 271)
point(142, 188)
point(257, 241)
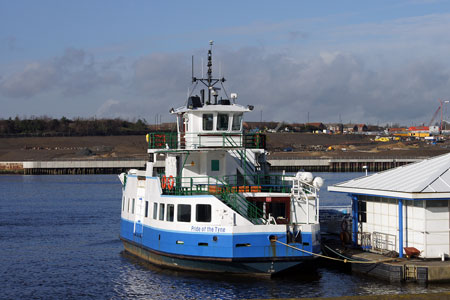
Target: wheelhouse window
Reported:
point(161, 211)
point(237, 120)
point(183, 213)
point(170, 212)
point(203, 213)
point(208, 122)
point(222, 122)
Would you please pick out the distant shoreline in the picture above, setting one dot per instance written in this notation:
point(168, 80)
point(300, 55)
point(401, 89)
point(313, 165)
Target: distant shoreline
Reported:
point(280, 146)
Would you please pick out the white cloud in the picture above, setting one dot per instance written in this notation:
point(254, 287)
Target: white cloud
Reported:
point(73, 73)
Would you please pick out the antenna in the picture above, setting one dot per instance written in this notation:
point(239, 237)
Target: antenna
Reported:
point(209, 81)
point(193, 80)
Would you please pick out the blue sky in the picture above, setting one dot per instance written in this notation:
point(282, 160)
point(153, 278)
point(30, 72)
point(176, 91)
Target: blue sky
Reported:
point(358, 61)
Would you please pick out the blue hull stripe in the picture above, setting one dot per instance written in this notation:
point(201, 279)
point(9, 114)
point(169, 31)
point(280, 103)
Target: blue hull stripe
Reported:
point(227, 246)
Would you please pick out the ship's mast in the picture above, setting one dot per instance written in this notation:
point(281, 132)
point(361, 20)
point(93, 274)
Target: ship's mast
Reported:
point(209, 82)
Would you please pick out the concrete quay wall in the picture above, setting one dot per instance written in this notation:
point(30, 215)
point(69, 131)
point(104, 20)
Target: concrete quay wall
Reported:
point(277, 164)
point(339, 164)
point(71, 166)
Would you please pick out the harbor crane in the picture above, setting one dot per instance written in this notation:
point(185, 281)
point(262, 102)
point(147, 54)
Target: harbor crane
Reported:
point(439, 109)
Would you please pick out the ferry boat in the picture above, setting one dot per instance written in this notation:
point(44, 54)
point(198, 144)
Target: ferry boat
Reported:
point(216, 207)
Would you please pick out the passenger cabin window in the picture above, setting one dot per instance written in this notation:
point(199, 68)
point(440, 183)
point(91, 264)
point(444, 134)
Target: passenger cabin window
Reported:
point(183, 213)
point(146, 209)
point(208, 122)
point(222, 122)
point(155, 210)
point(170, 212)
point(132, 207)
point(203, 213)
point(161, 211)
point(237, 119)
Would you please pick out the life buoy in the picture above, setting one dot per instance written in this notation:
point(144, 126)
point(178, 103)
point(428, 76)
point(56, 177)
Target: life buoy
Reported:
point(163, 182)
point(170, 182)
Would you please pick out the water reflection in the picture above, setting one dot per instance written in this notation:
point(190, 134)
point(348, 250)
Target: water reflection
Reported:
point(142, 280)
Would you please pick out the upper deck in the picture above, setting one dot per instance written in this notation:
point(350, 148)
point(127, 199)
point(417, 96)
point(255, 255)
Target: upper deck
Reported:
point(202, 140)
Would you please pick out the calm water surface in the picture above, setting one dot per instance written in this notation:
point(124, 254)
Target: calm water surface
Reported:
point(59, 240)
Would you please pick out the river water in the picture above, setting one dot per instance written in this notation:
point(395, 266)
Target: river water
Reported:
point(59, 239)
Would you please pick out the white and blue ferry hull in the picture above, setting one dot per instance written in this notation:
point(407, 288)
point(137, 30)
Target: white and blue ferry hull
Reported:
point(246, 253)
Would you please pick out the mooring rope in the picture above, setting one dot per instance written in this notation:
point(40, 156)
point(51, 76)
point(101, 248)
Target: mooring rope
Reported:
point(337, 259)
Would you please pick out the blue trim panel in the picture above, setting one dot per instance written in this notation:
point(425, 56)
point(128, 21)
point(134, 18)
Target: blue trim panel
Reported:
point(251, 245)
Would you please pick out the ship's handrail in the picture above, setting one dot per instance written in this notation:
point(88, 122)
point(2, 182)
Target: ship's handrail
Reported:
point(229, 194)
point(259, 183)
point(169, 140)
point(270, 183)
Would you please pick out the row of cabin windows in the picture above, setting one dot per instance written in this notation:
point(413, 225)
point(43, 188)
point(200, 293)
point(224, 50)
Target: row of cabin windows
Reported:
point(202, 212)
point(167, 211)
point(223, 122)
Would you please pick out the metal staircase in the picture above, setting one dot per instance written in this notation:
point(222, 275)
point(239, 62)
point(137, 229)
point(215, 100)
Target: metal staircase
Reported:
point(241, 155)
point(243, 207)
point(230, 196)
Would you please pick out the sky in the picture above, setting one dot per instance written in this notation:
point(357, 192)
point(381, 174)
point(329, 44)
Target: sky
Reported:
point(374, 62)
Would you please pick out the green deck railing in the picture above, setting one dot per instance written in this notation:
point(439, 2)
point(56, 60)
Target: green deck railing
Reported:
point(229, 189)
point(228, 192)
point(162, 140)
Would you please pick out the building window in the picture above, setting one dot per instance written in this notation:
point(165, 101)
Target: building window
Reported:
point(170, 212)
point(208, 122)
point(418, 203)
point(236, 122)
point(215, 166)
point(183, 213)
point(437, 203)
point(155, 210)
point(203, 213)
point(222, 122)
point(161, 211)
point(146, 209)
